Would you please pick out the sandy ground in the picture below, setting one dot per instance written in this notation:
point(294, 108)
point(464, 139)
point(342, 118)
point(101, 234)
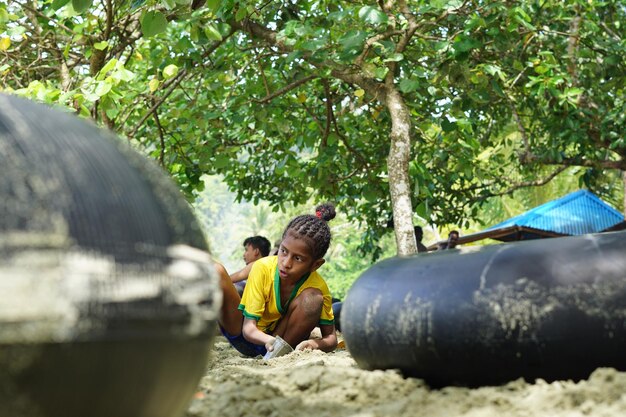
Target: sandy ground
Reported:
point(313, 383)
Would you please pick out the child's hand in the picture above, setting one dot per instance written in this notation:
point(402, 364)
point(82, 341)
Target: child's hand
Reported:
point(306, 344)
point(269, 346)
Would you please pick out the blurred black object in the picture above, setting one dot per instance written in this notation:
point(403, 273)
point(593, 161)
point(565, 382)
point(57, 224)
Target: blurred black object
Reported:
point(109, 300)
point(550, 309)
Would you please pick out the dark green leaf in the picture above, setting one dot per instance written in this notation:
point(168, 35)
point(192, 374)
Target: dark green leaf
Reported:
point(447, 126)
point(213, 5)
point(221, 161)
point(407, 85)
point(57, 4)
point(212, 33)
point(241, 14)
point(153, 22)
point(372, 15)
point(465, 44)
point(81, 5)
point(352, 42)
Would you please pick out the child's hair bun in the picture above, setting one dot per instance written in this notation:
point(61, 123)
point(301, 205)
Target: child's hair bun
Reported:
point(325, 212)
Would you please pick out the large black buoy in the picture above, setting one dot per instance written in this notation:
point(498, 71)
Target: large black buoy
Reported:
point(550, 309)
point(108, 299)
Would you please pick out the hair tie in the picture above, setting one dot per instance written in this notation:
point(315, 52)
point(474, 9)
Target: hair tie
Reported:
point(318, 214)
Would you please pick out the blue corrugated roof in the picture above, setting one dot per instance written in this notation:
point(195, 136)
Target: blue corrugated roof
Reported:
point(576, 213)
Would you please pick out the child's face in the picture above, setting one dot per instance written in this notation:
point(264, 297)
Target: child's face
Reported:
point(295, 259)
point(250, 254)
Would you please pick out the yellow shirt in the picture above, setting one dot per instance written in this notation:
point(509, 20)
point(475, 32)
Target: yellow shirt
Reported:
point(261, 296)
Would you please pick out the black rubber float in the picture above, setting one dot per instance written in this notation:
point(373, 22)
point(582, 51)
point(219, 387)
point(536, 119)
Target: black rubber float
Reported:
point(550, 309)
point(109, 299)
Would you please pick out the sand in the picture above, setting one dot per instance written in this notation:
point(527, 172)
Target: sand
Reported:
point(314, 383)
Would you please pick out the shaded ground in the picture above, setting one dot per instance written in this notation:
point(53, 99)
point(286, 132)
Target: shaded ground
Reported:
point(328, 385)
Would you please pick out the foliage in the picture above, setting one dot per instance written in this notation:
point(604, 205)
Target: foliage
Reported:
point(228, 223)
point(440, 104)
point(344, 262)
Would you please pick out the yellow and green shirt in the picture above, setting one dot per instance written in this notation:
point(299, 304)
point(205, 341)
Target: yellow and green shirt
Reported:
point(261, 296)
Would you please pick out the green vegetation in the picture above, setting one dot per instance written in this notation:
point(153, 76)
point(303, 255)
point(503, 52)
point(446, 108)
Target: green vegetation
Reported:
point(408, 109)
point(227, 223)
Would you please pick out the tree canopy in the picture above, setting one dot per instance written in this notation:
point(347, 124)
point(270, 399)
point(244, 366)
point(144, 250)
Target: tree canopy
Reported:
point(390, 109)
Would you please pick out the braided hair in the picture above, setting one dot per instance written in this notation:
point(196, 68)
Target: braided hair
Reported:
point(313, 229)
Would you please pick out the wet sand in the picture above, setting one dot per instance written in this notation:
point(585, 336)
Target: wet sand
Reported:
point(307, 383)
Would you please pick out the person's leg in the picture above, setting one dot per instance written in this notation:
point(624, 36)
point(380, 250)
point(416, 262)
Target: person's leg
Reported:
point(302, 317)
point(240, 286)
point(231, 318)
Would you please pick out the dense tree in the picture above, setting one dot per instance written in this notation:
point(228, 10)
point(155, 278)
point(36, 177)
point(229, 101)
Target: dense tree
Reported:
point(403, 108)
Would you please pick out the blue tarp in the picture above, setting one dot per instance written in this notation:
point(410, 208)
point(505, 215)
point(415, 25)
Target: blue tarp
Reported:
point(576, 213)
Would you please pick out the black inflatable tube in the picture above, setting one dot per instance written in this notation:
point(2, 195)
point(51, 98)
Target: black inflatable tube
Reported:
point(550, 309)
point(109, 299)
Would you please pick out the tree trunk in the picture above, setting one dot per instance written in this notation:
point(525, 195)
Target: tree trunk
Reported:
point(624, 182)
point(398, 169)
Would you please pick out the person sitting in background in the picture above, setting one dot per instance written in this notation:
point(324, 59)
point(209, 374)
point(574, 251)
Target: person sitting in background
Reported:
point(419, 234)
point(453, 239)
point(255, 247)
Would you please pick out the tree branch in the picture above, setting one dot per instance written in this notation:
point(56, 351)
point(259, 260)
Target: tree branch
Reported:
point(329, 109)
point(161, 137)
point(285, 89)
point(347, 145)
point(371, 41)
point(177, 80)
point(263, 77)
point(527, 184)
point(527, 155)
point(605, 164)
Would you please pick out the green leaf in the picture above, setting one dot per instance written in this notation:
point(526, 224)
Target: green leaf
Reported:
point(168, 4)
point(221, 161)
point(381, 72)
point(57, 4)
point(447, 126)
point(108, 66)
point(122, 74)
point(465, 44)
point(422, 210)
point(153, 22)
point(81, 5)
point(101, 46)
point(370, 194)
point(313, 45)
point(352, 43)
point(137, 3)
point(212, 33)
point(396, 57)
point(372, 15)
point(103, 88)
point(496, 87)
point(213, 5)
point(170, 71)
point(408, 85)
point(241, 14)
point(153, 85)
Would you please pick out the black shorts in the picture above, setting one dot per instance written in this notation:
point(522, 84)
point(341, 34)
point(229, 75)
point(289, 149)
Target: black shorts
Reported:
point(243, 346)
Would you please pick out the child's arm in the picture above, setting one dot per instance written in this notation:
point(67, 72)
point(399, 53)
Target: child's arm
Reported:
point(327, 343)
point(252, 334)
point(242, 273)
